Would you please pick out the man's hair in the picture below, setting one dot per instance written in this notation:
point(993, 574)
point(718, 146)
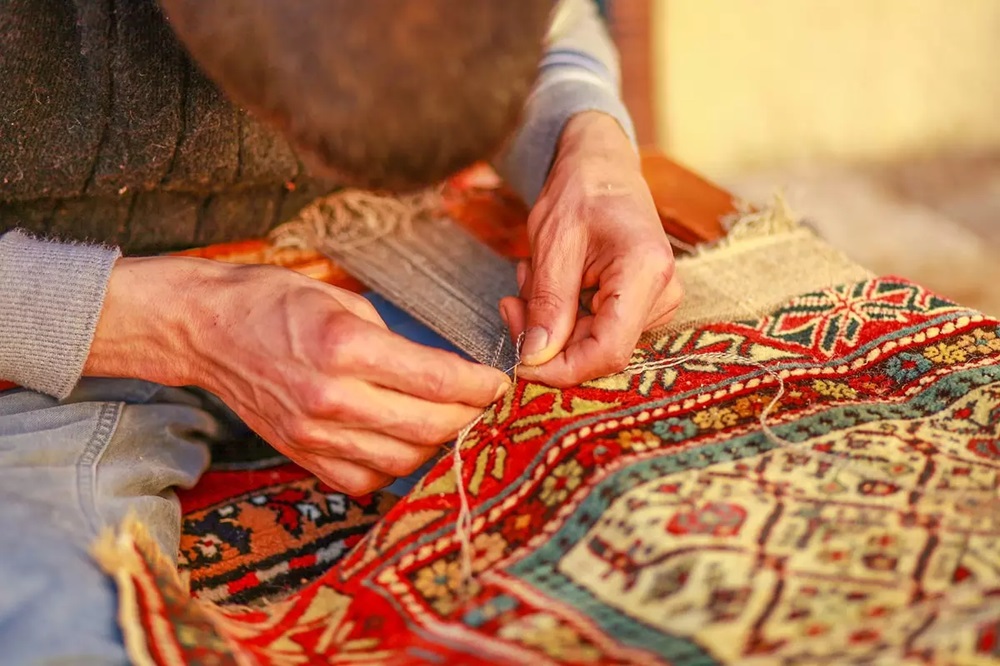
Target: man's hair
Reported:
point(385, 94)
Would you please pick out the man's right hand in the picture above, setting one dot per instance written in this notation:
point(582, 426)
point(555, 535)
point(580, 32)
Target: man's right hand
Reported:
point(311, 368)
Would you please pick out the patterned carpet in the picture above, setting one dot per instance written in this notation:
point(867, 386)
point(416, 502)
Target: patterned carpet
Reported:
point(648, 517)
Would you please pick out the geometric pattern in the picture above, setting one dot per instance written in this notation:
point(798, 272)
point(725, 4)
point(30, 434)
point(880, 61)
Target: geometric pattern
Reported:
point(831, 321)
point(248, 537)
point(648, 518)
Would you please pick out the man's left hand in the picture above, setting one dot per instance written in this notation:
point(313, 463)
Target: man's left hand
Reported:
point(594, 231)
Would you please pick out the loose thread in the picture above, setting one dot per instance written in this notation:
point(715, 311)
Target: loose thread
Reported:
point(349, 220)
point(463, 525)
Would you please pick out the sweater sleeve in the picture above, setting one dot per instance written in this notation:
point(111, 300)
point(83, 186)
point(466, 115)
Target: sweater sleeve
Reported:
point(51, 295)
point(579, 72)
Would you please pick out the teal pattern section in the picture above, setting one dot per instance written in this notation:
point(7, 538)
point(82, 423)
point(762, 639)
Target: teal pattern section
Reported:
point(540, 568)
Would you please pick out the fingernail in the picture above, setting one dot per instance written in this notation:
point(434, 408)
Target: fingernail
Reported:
point(535, 342)
point(502, 391)
point(503, 315)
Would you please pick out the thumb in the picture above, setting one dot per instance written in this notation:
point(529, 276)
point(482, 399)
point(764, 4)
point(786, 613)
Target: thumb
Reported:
point(357, 305)
point(552, 292)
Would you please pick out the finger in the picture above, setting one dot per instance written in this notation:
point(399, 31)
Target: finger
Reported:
point(356, 404)
point(541, 373)
point(344, 476)
point(392, 361)
point(667, 305)
point(553, 299)
point(376, 451)
point(624, 302)
point(514, 312)
point(523, 269)
point(663, 308)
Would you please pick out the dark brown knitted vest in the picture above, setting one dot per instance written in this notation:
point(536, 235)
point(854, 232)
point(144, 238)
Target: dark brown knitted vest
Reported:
point(108, 132)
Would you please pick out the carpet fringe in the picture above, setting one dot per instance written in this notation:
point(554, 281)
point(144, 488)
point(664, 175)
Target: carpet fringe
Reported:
point(130, 556)
point(750, 224)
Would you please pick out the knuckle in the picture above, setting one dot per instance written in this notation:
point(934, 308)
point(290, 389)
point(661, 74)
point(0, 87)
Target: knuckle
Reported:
point(436, 380)
point(620, 358)
point(659, 260)
point(615, 361)
point(345, 342)
point(360, 485)
point(327, 400)
point(301, 434)
point(340, 332)
point(545, 297)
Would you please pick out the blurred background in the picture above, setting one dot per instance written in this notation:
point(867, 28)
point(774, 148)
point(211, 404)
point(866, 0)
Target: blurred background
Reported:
point(879, 120)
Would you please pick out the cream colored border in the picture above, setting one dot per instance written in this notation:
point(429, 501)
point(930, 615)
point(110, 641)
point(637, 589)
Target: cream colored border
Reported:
point(766, 260)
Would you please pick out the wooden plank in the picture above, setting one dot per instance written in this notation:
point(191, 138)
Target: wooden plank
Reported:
point(691, 208)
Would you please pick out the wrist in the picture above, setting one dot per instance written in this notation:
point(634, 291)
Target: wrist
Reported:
point(153, 317)
point(596, 135)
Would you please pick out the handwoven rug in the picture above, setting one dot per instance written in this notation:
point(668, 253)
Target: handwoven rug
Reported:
point(804, 468)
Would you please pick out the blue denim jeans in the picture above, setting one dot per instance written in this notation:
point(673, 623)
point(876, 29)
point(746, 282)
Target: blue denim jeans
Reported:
point(70, 468)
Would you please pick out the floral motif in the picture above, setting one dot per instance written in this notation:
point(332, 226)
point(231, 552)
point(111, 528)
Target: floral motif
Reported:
point(753, 405)
point(835, 390)
point(439, 583)
point(557, 640)
point(715, 418)
point(638, 440)
point(565, 478)
point(674, 429)
point(715, 518)
point(906, 367)
point(836, 316)
point(980, 342)
point(487, 549)
point(985, 448)
point(945, 353)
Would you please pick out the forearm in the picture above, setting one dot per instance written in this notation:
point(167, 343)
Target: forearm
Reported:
point(579, 72)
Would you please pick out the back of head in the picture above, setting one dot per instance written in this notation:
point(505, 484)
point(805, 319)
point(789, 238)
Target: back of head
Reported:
point(385, 94)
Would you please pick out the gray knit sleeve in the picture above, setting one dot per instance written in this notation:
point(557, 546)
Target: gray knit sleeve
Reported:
point(578, 72)
point(51, 295)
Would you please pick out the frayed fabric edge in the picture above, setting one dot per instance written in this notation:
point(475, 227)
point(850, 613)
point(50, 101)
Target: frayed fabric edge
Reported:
point(749, 225)
point(135, 561)
point(127, 554)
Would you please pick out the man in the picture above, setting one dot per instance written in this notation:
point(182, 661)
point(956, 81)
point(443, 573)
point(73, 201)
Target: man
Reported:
point(106, 122)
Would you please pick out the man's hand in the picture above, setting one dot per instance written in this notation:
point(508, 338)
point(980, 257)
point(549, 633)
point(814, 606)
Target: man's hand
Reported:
point(594, 226)
point(311, 368)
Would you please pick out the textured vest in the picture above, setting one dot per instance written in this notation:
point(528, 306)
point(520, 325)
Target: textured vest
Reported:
point(108, 132)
